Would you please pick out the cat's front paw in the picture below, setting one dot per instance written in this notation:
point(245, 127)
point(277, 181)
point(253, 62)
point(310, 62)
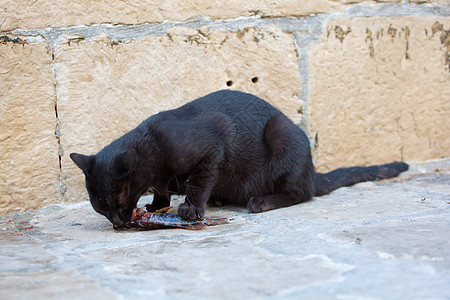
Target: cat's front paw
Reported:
point(189, 212)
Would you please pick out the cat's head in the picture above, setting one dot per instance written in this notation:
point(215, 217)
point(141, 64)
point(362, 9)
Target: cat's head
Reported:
point(109, 182)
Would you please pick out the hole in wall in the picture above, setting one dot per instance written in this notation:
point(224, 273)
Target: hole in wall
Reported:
point(255, 79)
point(229, 83)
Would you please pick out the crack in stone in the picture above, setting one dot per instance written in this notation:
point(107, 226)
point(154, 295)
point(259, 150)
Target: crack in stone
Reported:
point(62, 186)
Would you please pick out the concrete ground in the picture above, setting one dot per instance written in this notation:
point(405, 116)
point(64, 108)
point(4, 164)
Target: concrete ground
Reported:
point(376, 240)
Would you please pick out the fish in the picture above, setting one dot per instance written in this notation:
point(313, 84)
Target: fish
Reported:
point(160, 219)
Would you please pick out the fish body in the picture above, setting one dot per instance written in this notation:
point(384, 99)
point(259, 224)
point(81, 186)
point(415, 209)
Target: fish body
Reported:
point(160, 220)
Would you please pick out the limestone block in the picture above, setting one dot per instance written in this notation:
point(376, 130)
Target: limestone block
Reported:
point(380, 90)
point(62, 13)
point(28, 147)
point(107, 88)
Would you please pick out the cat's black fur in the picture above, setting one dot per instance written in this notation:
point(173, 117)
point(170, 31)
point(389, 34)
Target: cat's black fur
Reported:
point(226, 147)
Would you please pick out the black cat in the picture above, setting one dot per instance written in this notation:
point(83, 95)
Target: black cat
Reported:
point(226, 147)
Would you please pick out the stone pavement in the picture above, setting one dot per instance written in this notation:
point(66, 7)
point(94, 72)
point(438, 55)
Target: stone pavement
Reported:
point(376, 240)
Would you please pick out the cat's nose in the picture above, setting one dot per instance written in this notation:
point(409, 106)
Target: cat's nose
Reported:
point(116, 220)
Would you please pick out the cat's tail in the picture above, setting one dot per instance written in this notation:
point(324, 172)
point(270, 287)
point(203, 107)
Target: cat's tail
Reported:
point(325, 183)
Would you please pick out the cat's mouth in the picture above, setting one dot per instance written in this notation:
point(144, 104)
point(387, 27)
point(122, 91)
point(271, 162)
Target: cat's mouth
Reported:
point(118, 222)
point(121, 217)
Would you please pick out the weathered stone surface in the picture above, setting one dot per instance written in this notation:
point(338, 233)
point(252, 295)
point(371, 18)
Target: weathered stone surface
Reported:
point(400, 240)
point(383, 240)
point(341, 208)
point(28, 146)
point(380, 91)
point(52, 13)
point(106, 88)
point(307, 270)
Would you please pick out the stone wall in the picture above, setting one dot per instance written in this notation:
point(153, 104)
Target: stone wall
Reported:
point(369, 81)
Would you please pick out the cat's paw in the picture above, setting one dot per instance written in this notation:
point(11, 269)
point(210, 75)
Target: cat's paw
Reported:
point(215, 203)
point(189, 212)
point(259, 204)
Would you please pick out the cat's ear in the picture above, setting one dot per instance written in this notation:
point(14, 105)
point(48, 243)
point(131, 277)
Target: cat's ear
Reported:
point(84, 162)
point(125, 163)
